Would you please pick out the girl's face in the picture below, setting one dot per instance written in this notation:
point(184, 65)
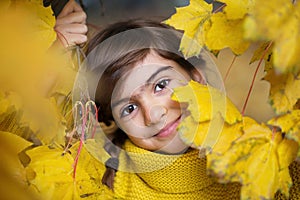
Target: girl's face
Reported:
point(142, 106)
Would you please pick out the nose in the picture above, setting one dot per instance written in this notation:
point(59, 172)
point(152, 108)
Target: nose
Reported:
point(154, 114)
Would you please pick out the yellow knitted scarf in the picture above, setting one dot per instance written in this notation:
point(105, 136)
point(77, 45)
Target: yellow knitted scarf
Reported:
point(149, 175)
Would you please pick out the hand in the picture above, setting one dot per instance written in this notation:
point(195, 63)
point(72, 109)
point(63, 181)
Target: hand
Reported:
point(71, 26)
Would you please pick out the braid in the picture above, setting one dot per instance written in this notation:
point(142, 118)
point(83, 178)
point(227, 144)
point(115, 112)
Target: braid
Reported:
point(113, 148)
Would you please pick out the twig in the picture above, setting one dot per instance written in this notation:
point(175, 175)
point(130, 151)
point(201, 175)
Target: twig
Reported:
point(229, 69)
point(254, 76)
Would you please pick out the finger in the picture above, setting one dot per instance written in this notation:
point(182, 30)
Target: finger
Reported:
point(70, 7)
point(72, 28)
point(75, 39)
point(76, 17)
point(68, 39)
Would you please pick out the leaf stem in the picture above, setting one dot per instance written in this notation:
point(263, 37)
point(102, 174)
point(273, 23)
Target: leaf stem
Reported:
point(274, 131)
point(71, 135)
point(229, 68)
point(254, 76)
point(219, 8)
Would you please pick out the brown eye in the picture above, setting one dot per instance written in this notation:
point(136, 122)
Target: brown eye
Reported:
point(128, 110)
point(161, 85)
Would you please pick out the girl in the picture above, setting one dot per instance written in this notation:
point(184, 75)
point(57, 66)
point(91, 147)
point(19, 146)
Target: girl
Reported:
point(132, 68)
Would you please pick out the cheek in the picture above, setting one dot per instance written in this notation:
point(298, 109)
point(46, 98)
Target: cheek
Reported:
point(133, 127)
point(147, 144)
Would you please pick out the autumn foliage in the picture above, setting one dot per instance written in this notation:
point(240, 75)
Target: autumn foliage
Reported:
point(242, 150)
point(44, 152)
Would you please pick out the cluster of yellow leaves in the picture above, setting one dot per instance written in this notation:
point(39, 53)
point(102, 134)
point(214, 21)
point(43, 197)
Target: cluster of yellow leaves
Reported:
point(48, 172)
point(33, 80)
point(52, 174)
point(204, 27)
point(281, 54)
point(240, 149)
point(284, 94)
point(237, 22)
point(277, 21)
point(259, 159)
point(34, 85)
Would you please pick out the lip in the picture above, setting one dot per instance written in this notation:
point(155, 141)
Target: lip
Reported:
point(168, 129)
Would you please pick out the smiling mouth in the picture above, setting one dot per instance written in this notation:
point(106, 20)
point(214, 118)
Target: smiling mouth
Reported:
point(168, 129)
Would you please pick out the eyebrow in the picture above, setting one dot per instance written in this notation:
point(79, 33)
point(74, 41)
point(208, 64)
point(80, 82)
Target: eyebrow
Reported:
point(148, 81)
point(164, 68)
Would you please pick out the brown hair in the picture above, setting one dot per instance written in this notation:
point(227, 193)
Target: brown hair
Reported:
point(116, 49)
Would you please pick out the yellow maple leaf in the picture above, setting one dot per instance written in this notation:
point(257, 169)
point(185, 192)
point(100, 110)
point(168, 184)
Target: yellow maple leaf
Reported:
point(88, 161)
point(12, 171)
point(215, 30)
point(285, 182)
point(211, 115)
point(264, 51)
point(287, 45)
point(284, 91)
point(193, 19)
point(27, 34)
point(286, 154)
point(273, 12)
point(258, 159)
point(42, 21)
point(193, 133)
point(15, 144)
point(225, 33)
point(262, 174)
point(205, 102)
point(278, 21)
point(237, 9)
point(54, 175)
point(290, 125)
point(228, 135)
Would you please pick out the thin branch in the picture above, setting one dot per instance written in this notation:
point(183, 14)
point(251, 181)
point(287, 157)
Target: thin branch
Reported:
point(229, 68)
point(254, 76)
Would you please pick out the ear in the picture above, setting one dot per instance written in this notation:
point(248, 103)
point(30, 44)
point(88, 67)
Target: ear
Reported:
point(198, 76)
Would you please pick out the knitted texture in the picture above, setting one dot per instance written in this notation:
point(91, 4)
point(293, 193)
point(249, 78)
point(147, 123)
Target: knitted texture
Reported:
point(295, 174)
point(295, 189)
point(183, 178)
point(160, 176)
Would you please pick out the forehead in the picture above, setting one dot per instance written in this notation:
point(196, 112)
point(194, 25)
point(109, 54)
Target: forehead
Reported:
point(138, 75)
